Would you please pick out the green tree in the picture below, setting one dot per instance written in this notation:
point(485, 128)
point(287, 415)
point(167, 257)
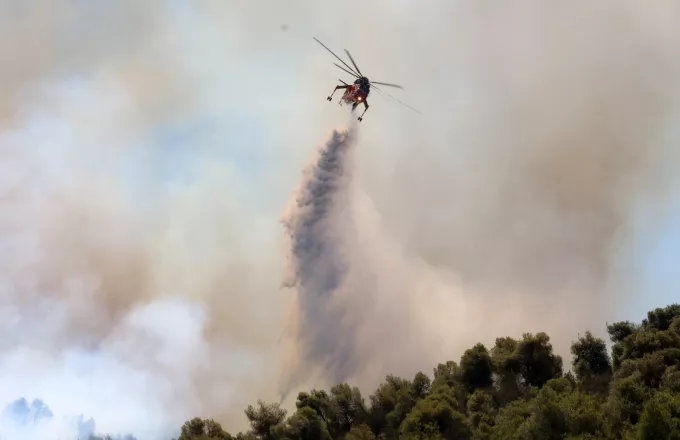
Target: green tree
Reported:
point(203, 429)
point(390, 404)
point(476, 368)
point(421, 385)
point(349, 408)
point(510, 419)
point(439, 410)
point(516, 390)
point(305, 424)
point(426, 432)
point(446, 374)
point(661, 318)
point(619, 331)
point(670, 381)
point(320, 402)
point(549, 419)
point(537, 362)
point(264, 418)
point(558, 411)
point(481, 413)
point(625, 403)
point(661, 418)
point(360, 432)
point(585, 415)
point(506, 369)
point(591, 363)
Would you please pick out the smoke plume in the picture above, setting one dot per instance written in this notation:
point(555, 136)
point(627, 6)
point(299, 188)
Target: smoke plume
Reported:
point(346, 274)
point(318, 224)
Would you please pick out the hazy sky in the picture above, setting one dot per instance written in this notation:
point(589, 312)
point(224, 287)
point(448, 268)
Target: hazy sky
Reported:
point(149, 150)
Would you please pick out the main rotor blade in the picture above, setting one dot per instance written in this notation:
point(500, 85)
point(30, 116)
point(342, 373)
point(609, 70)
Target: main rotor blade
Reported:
point(402, 103)
point(388, 84)
point(317, 40)
point(353, 63)
point(351, 73)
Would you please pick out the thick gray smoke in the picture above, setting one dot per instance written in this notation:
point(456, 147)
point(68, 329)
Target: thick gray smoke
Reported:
point(346, 274)
point(318, 224)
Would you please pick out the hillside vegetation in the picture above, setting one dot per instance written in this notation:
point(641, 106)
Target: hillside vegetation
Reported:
point(517, 389)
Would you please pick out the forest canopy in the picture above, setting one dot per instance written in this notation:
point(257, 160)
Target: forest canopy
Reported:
point(516, 389)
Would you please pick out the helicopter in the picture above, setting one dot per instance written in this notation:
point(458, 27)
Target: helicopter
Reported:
point(357, 93)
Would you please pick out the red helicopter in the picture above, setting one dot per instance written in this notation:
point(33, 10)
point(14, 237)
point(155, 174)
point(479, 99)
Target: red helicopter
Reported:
point(357, 93)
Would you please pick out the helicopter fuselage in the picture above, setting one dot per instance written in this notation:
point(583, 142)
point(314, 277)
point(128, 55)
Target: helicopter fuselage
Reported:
point(357, 93)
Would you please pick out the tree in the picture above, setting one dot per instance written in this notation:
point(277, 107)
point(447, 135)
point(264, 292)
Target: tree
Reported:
point(390, 404)
point(509, 420)
point(506, 368)
point(625, 403)
point(438, 410)
point(621, 330)
point(661, 318)
point(349, 407)
point(515, 390)
point(481, 412)
point(591, 363)
point(446, 374)
point(670, 381)
point(305, 424)
point(264, 418)
point(421, 385)
point(203, 429)
point(538, 364)
point(320, 402)
point(661, 417)
point(476, 368)
point(361, 432)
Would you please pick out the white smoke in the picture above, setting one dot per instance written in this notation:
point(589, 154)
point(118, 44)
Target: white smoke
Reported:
point(127, 376)
point(21, 421)
point(114, 293)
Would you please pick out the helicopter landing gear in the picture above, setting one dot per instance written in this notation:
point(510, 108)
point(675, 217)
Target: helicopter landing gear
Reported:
point(336, 88)
point(361, 118)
